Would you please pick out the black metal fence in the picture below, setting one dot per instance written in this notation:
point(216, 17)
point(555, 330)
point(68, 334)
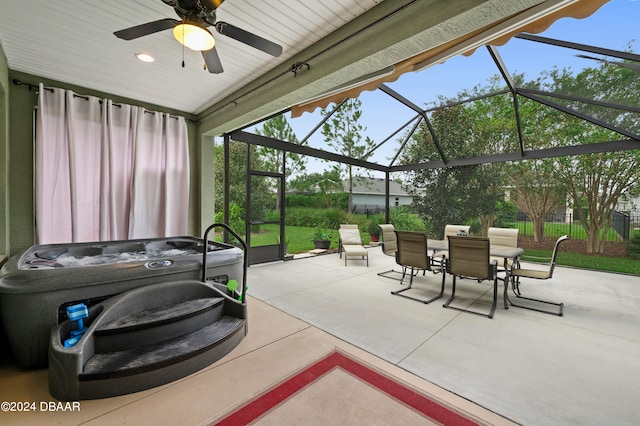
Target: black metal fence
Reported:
point(368, 209)
point(623, 225)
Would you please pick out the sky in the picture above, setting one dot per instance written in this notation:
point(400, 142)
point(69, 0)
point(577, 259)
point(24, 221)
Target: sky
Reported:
point(613, 26)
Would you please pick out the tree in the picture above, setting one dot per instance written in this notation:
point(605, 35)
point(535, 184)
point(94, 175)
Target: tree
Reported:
point(327, 181)
point(451, 194)
point(495, 130)
point(278, 128)
point(344, 134)
point(595, 182)
point(538, 192)
point(542, 185)
point(261, 193)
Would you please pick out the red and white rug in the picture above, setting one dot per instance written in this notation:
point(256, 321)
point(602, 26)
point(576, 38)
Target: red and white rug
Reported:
point(340, 389)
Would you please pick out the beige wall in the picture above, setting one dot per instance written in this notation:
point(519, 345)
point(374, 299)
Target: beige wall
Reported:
point(18, 164)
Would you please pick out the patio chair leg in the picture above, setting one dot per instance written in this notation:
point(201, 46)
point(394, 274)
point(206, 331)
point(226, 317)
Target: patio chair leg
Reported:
point(516, 292)
point(453, 294)
point(546, 302)
point(493, 305)
point(515, 286)
point(515, 281)
point(404, 273)
point(386, 273)
point(427, 301)
point(495, 297)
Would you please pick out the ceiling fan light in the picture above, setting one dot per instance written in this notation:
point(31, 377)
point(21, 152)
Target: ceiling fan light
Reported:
point(194, 36)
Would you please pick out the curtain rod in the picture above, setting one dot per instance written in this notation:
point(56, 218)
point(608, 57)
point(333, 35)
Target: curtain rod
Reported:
point(75, 95)
point(29, 85)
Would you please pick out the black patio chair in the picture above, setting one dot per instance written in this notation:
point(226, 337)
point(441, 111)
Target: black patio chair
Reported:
point(390, 247)
point(469, 258)
point(537, 274)
point(412, 254)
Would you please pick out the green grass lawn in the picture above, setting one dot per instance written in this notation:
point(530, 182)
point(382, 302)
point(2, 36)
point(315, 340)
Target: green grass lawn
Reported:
point(300, 240)
point(596, 263)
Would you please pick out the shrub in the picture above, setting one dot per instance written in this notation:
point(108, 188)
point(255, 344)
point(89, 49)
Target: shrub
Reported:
point(272, 215)
point(236, 221)
point(505, 214)
point(404, 219)
point(633, 245)
point(338, 200)
point(334, 217)
point(302, 216)
point(306, 216)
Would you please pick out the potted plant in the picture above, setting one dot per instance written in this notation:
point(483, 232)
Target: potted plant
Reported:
point(287, 240)
point(321, 239)
point(373, 229)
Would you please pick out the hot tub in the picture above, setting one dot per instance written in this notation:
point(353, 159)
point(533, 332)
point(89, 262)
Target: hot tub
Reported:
point(37, 285)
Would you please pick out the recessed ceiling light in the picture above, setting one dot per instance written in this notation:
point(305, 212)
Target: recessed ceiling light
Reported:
point(144, 57)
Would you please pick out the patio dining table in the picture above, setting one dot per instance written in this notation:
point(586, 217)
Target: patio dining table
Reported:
point(505, 252)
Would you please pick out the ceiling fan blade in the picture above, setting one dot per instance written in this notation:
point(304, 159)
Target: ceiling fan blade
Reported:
point(248, 38)
point(146, 29)
point(212, 60)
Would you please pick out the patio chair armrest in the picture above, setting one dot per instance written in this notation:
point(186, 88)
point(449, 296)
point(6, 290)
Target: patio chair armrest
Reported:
point(494, 269)
point(541, 259)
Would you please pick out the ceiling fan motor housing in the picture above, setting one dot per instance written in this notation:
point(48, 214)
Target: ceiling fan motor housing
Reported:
point(200, 11)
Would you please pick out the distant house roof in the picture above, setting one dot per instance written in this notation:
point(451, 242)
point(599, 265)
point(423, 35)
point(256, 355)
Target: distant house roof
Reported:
point(367, 185)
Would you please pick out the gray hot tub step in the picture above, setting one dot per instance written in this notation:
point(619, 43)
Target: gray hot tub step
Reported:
point(155, 317)
point(157, 325)
point(140, 359)
point(144, 338)
point(141, 368)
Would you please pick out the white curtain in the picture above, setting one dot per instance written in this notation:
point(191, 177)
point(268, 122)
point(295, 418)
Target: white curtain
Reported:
point(108, 171)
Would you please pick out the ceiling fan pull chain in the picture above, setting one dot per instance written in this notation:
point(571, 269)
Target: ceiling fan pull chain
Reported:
point(183, 47)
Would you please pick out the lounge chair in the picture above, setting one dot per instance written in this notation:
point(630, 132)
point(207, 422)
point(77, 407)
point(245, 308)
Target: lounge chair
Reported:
point(351, 244)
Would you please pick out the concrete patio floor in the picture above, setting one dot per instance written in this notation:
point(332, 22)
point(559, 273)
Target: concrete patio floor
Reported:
point(530, 367)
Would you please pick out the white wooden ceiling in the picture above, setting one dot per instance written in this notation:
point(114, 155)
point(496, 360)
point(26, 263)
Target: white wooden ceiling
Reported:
point(72, 41)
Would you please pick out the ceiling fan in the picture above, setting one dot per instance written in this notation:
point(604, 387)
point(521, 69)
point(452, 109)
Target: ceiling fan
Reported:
point(191, 31)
